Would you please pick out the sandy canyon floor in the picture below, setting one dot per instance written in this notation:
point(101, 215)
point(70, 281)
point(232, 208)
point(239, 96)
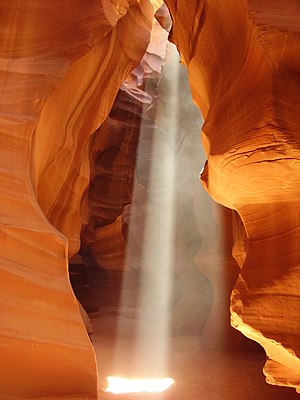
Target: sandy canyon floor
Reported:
point(199, 374)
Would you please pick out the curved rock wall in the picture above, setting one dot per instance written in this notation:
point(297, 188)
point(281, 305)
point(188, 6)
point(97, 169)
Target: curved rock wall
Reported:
point(243, 62)
point(86, 96)
point(112, 159)
point(61, 68)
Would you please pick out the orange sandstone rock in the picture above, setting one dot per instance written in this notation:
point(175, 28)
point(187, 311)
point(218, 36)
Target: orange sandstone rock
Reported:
point(61, 68)
point(243, 62)
point(61, 71)
point(113, 157)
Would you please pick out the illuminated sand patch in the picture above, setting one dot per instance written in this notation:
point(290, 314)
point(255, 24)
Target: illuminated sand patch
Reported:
point(124, 385)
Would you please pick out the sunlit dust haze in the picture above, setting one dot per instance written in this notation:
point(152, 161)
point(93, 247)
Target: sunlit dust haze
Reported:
point(153, 257)
point(162, 296)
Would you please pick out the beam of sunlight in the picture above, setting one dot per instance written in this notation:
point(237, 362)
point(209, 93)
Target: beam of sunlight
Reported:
point(153, 263)
point(119, 385)
point(158, 246)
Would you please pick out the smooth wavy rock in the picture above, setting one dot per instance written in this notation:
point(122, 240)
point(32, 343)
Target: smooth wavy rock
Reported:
point(113, 157)
point(243, 62)
point(61, 68)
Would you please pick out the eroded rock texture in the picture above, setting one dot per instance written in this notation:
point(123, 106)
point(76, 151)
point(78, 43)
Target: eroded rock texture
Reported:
point(61, 107)
point(243, 62)
point(61, 68)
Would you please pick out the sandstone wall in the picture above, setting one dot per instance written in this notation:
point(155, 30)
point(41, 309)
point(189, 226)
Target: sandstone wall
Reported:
point(243, 62)
point(61, 68)
point(62, 64)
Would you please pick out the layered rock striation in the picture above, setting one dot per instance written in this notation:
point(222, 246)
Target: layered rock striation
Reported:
point(61, 69)
point(68, 145)
point(243, 62)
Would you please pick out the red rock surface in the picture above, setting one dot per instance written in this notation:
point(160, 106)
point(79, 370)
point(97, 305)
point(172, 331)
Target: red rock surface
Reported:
point(243, 62)
point(61, 68)
point(68, 143)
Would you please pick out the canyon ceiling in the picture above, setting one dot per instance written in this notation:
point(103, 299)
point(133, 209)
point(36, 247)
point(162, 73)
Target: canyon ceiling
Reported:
point(73, 86)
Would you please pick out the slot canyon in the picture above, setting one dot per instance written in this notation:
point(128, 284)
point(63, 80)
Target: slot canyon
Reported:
point(150, 216)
